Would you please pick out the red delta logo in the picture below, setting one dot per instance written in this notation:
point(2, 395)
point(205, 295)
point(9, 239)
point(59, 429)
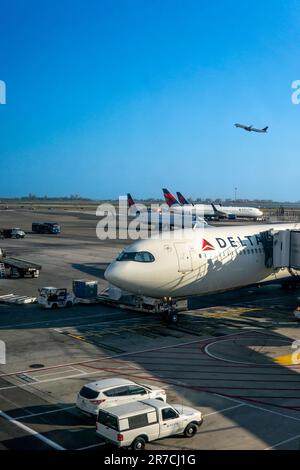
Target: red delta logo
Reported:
point(206, 246)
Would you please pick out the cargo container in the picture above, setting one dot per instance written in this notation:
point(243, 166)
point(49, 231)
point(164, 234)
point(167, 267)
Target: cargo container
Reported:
point(85, 289)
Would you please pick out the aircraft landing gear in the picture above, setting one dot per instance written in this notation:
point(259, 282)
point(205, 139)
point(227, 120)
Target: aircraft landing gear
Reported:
point(170, 314)
point(173, 318)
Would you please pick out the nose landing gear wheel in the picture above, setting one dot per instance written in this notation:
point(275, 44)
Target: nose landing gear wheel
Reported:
point(171, 317)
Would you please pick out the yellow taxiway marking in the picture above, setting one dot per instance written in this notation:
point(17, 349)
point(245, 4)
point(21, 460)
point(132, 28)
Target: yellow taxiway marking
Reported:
point(81, 338)
point(286, 360)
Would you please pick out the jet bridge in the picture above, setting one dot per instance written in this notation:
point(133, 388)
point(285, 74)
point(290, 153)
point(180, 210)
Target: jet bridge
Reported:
point(286, 249)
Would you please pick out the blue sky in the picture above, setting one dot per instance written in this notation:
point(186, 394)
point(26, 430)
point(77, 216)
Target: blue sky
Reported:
point(110, 96)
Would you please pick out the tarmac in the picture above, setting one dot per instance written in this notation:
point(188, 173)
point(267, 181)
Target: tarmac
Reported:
point(231, 355)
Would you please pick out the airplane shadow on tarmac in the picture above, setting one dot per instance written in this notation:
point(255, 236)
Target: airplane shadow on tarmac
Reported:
point(93, 269)
point(244, 371)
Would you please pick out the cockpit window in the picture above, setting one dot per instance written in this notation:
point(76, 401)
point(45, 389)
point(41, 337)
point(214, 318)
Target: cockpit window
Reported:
point(139, 256)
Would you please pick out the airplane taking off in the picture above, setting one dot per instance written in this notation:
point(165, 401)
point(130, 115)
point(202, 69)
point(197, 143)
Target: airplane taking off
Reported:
point(197, 262)
point(252, 129)
point(209, 211)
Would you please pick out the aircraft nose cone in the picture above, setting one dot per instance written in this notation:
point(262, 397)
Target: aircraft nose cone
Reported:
point(123, 275)
point(113, 274)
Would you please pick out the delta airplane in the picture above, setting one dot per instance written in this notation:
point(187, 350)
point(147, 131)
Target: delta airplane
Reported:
point(197, 261)
point(163, 220)
point(235, 212)
point(202, 210)
point(210, 210)
point(252, 129)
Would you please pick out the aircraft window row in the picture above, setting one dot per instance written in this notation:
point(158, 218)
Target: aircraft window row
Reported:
point(242, 252)
point(139, 256)
point(252, 251)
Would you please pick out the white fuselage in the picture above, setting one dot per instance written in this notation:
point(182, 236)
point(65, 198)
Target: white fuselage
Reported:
point(206, 210)
point(196, 262)
point(202, 210)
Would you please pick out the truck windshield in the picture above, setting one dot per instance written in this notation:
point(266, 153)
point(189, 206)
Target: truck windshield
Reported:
point(108, 420)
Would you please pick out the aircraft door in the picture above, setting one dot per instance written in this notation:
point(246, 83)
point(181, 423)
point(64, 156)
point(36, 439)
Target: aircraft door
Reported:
point(184, 257)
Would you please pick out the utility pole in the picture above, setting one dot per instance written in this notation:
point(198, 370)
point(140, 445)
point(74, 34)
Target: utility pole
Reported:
point(235, 191)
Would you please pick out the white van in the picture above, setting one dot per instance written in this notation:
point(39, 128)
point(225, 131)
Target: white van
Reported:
point(134, 424)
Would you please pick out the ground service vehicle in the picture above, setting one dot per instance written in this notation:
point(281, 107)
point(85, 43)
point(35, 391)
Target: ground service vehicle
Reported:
point(14, 267)
point(46, 227)
point(112, 392)
point(12, 233)
point(53, 297)
point(134, 424)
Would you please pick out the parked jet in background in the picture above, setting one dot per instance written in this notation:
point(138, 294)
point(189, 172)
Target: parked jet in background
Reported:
point(235, 212)
point(252, 129)
point(223, 213)
point(200, 210)
point(162, 220)
point(209, 211)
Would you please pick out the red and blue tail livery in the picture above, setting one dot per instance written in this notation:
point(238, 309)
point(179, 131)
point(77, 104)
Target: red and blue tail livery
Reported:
point(182, 199)
point(169, 198)
point(130, 201)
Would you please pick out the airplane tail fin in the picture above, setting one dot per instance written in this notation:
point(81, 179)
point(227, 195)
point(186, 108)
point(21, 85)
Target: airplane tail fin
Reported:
point(169, 198)
point(214, 208)
point(182, 199)
point(130, 200)
point(265, 128)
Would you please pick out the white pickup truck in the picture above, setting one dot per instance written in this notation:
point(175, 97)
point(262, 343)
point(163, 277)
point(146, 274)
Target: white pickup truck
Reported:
point(135, 424)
